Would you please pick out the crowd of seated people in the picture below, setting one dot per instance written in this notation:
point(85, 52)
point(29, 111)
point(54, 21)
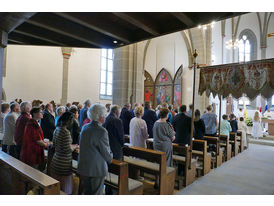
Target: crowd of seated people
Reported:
point(28, 128)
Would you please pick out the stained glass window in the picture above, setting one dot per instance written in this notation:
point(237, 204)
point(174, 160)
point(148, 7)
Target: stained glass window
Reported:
point(163, 88)
point(177, 88)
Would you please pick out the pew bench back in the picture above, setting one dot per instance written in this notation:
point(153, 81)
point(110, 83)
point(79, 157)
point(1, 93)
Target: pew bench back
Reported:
point(23, 177)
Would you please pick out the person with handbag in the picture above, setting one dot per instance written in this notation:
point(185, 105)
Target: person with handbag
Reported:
point(33, 144)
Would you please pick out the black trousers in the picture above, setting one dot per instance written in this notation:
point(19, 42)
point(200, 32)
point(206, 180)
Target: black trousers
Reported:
point(5, 148)
point(12, 151)
point(9, 149)
point(18, 151)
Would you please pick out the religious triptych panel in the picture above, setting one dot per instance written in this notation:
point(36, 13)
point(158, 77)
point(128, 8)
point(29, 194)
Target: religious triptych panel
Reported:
point(177, 88)
point(163, 88)
point(149, 89)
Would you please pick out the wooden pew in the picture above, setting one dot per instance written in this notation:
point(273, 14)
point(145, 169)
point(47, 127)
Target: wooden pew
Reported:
point(183, 155)
point(117, 178)
point(235, 145)
point(17, 178)
point(240, 141)
point(199, 149)
point(217, 160)
point(151, 162)
point(224, 142)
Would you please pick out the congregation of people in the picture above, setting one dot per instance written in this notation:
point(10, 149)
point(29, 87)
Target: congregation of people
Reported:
point(98, 130)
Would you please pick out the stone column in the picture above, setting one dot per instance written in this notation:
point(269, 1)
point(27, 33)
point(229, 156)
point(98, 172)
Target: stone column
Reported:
point(3, 44)
point(66, 51)
point(127, 75)
point(264, 19)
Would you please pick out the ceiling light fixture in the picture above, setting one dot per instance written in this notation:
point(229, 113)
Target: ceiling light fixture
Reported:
point(115, 42)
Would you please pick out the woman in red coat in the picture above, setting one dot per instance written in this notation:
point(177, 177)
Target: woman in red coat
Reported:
point(33, 143)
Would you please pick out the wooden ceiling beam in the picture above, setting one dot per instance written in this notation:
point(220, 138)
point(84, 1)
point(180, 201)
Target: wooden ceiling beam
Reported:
point(183, 18)
point(54, 23)
point(11, 20)
point(16, 41)
point(137, 22)
point(38, 37)
point(94, 24)
point(60, 31)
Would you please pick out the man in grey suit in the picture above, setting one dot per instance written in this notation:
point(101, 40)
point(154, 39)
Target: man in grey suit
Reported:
point(95, 153)
point(9, 129)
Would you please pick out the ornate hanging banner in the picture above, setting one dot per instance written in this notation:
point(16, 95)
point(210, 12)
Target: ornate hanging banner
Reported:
point(250, 78)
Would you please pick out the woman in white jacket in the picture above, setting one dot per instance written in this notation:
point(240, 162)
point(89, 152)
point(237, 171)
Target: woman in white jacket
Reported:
point(257, 130)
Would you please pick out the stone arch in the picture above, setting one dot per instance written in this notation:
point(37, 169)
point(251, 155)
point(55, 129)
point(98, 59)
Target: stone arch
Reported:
point(189, 48)
point(145, 53)
point(253, 42)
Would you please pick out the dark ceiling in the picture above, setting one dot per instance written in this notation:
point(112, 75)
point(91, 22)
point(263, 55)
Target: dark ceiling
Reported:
point(99, 29)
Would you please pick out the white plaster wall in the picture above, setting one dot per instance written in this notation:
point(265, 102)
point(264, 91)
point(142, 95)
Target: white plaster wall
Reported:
point(84, 75)
point(270, 40)
point(33, 73)
point(167, 52)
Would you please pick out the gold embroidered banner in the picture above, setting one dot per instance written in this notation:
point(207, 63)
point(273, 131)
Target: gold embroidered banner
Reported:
point(250, 78)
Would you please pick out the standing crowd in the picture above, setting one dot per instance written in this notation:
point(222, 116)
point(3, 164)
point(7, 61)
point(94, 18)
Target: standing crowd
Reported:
point(99, 131)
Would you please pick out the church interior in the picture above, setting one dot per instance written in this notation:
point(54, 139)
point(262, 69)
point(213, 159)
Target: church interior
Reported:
point(188, 102)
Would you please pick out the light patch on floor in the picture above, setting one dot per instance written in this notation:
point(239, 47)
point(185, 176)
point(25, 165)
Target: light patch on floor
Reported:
point(249, 173)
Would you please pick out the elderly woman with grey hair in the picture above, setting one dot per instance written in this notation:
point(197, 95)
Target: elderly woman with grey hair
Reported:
point(21, 122)
point(59, 111)
point(95, 153)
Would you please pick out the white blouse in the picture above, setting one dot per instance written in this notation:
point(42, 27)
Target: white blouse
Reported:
point(138, 132)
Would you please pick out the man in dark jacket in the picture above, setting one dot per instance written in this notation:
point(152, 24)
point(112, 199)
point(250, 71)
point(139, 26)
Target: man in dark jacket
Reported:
point(182, 127)
point(150, 117)
point(233, 123)
point(115, 129)
point(48, 122)
point(126, 116)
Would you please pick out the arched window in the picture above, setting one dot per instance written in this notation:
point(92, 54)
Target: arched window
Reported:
point(163, 88)
point(106, 74)
point(244, 49)
point(247, 46)
point(149, 89)
point(177, 88)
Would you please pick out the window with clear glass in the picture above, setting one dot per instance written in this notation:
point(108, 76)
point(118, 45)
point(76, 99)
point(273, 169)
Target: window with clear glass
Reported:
point(106, 74)
point(244, 49)
point(244, 100)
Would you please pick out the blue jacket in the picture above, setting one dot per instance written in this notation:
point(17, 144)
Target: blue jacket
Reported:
point(82, 116)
